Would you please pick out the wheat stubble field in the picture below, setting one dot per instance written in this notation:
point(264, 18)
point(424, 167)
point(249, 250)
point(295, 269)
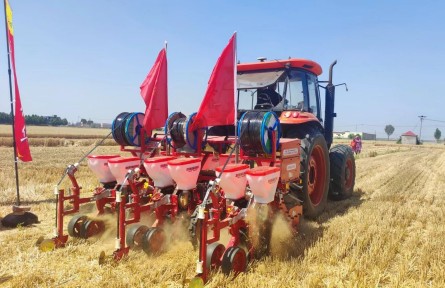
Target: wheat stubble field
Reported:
point(391, 233)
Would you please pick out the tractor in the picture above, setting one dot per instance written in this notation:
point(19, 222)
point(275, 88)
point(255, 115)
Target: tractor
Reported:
point(285, 163)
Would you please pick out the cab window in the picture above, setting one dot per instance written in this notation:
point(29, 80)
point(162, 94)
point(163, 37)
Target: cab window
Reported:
point(313, 95)
point(295, 93)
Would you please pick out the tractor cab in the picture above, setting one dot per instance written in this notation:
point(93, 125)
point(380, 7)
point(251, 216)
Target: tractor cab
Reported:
point(287, 87)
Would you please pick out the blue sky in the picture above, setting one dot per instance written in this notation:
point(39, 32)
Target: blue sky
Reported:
point(87, 59)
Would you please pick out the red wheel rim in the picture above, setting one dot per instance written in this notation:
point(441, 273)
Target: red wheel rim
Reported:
point(316, 175)
point(349, 174)
point(239, 261)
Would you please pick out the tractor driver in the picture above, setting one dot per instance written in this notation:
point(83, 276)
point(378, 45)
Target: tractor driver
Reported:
point(268, 95)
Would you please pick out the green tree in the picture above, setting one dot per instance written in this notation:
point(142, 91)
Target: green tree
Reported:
point(5, 118)
point(437, 134)
point(389, 129)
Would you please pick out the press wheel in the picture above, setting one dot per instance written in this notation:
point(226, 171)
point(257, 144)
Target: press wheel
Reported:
point(154, 241)
point(75, 224)
point(234, 260)
point(213, 256)
point(91, 228)
point(135, 235)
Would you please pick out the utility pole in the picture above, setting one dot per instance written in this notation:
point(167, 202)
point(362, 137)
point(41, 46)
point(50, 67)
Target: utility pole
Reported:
point(421, 120)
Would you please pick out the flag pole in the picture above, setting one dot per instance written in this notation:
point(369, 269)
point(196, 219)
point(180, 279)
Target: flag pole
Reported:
point(12, 110)
point(235, 95)
point(20, 215)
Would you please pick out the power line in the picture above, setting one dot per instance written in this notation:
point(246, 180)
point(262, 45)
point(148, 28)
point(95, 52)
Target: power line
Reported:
point(435, 120)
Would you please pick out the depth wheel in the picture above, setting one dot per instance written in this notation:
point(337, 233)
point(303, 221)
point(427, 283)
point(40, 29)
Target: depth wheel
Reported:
point(234, 260)
point(91, 228)
point(75, 225)
point(316, 176)
point(154, 241)
point(135, 235)
point(213, 256)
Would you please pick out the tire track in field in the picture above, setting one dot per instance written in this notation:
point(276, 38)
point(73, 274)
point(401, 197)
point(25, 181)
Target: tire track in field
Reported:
point(419, 254)
point(407, 192)
point(374, 175)
point(364, 246)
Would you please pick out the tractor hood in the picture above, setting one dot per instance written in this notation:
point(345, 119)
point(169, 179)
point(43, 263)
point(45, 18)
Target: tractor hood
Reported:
point(258, 79)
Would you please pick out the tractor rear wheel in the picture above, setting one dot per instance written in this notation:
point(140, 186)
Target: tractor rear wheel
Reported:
point(342, 172)
point(315, 175)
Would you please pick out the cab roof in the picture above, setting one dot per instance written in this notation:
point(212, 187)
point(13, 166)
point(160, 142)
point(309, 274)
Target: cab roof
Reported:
point(305, 64)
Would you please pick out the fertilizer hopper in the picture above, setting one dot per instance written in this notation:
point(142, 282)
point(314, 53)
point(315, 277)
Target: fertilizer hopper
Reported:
point(233, 181)
point(263, 183)
point(185, 172)
point(157, 169)
point(119, 167)
point(99, 165)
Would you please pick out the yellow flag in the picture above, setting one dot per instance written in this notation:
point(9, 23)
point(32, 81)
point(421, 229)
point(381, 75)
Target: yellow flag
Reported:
point(9, 18)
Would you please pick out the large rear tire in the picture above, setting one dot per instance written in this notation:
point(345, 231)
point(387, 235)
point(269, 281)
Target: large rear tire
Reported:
point(315, 175)
point(342, 172)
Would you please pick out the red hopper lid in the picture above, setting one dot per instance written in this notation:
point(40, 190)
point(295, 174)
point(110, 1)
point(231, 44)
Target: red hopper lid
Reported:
point(123, 159)
point(102, 156)
point(159, 159)
point(183, 161)
point(262, 171)
point(232, 167)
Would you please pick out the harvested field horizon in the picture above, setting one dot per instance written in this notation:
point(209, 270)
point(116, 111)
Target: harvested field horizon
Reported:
point(390, 233)
point(49, 136)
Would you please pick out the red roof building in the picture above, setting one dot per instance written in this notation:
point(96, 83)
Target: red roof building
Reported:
point(409, 138)
point(409, 133)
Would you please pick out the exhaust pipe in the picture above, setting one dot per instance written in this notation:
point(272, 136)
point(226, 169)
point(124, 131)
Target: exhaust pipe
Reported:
point(329, 109)
point(330, 71)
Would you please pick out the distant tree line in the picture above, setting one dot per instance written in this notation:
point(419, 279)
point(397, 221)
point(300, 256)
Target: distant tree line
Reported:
point(54, 120)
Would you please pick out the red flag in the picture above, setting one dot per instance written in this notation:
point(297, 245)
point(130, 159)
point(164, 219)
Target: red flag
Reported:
point(154, 92)
point(21, 140)
point(218, 105)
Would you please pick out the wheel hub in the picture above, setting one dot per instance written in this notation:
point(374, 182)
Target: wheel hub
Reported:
point(316, 175)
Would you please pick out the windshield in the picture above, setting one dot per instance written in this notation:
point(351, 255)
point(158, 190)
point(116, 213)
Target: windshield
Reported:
point(275, 90)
